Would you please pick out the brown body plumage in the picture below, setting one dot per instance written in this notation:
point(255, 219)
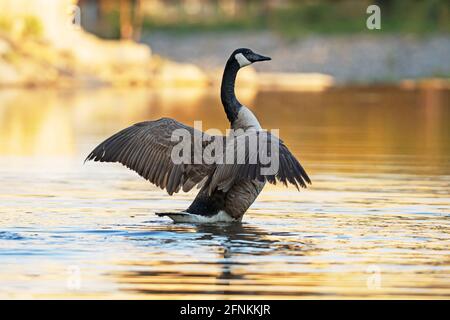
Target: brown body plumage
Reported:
point(227, 189)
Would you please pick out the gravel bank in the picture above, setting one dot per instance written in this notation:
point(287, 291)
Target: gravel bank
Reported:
point(358, 58)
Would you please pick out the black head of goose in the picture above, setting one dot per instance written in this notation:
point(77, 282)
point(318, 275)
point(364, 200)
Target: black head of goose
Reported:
point(227, 189)
point(239, 58)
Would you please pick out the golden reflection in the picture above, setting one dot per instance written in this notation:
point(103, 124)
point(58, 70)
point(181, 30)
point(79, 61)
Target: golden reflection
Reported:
point(243, 265)
point(378, 158)
point(352, 126)
point(34, 123)
point(49, 122)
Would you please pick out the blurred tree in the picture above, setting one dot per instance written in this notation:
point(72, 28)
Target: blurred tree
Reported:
point(130, 14)
point(126, 28)
point(291, 18)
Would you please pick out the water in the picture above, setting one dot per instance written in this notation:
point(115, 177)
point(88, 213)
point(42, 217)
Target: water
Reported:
point(374, 224)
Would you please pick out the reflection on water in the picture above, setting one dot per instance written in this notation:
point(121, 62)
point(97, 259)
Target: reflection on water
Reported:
point(375, 222)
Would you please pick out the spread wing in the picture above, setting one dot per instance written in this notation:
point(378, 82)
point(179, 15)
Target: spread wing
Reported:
point(146, 148)
point(269, 160)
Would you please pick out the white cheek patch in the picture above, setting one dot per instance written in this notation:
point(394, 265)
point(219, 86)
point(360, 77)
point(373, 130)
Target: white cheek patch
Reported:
point(242, 60)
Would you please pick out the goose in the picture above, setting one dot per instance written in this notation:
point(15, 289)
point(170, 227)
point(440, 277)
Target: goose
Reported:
point(227, 189)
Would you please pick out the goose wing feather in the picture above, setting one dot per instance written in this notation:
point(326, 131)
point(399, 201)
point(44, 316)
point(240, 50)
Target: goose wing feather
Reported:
point(251, 164)
point(146, 148)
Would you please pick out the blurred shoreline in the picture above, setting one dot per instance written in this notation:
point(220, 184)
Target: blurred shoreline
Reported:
point(313, 63)
point(47, 48)
point(349, 59)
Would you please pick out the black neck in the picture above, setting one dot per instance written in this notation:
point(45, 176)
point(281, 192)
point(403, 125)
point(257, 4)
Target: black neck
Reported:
point(229, 100)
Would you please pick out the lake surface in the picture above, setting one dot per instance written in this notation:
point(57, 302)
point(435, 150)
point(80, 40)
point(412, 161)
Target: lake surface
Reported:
point(374, 224)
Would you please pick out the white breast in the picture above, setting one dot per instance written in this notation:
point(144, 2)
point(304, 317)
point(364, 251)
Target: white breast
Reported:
point(246, 120)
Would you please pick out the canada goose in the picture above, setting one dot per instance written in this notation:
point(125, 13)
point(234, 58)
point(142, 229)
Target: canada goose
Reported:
point(226, 190)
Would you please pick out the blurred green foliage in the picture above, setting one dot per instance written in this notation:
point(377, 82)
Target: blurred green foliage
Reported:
point(297, 18)
point(27, 26)
point(32, 27)
point(289, 18)
point(5, 24)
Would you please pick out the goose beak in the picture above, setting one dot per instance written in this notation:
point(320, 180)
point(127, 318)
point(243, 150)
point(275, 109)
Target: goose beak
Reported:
point(257, 57)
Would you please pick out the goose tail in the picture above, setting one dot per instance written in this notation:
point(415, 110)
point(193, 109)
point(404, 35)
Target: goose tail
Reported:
point(187, 217)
